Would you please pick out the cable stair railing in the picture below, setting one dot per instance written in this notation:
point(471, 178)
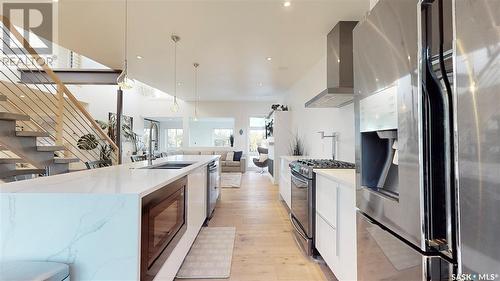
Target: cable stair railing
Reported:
point(56, 118)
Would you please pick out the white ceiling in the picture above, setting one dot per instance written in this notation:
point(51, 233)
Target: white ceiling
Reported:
point(230, 39)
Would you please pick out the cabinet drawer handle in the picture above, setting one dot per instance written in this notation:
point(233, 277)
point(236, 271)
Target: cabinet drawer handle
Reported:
point(337, 221)
point(325, 220)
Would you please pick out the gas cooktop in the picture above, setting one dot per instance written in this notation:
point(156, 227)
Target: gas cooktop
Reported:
point(326, 164)
point(305, 167)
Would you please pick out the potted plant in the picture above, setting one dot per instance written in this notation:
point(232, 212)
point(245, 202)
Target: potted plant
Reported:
point(231, 140)
point(90, 142)
point(296, 146)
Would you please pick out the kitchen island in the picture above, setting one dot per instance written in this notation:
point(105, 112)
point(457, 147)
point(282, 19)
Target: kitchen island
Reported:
point(91, 219)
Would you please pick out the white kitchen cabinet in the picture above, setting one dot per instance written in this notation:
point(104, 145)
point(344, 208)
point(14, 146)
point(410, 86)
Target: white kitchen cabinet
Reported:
point(285, 185)
point(197, 198)
point(336, 223)
point(326, 240)
point(327, 203)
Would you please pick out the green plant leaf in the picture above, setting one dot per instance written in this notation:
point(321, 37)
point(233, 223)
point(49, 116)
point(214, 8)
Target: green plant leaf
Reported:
point(87, 142)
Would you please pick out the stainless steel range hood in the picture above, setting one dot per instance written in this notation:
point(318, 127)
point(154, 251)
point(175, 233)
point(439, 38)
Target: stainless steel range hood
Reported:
point(339, 68)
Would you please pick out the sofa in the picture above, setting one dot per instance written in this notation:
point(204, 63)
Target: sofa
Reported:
point(225, 165)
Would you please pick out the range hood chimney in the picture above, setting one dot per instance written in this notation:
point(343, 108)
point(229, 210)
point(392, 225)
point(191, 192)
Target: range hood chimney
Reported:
point(339, 68)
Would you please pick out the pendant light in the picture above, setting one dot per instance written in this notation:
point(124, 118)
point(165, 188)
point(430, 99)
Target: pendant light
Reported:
point(196, 91)
point(123, 81)
point(175, 106)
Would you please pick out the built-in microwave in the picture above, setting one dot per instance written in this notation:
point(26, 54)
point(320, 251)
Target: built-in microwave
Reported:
point(162, 225)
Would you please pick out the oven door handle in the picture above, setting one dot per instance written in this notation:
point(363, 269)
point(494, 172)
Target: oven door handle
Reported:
point(297, 228)
point(298, 182)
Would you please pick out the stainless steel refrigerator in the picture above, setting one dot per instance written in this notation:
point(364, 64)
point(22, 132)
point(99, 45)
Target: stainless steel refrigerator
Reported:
point(427, 101)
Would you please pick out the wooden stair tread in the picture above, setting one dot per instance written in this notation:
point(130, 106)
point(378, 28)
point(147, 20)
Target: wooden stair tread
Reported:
point(32, 134)
point(19, 172)
point(48, 148)
point(58, 160)
point(13, 116)
point(11, 160)
point(3, 97)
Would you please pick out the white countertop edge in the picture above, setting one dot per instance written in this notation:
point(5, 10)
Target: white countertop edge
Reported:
point(345, 177)
point(184, 172)
point(111, 180)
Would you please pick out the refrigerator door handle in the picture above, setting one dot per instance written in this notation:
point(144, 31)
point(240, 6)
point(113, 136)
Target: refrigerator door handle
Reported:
point(450, 247)
point(437, 132)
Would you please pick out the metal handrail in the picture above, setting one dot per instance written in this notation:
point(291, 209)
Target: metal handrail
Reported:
point(70, 100)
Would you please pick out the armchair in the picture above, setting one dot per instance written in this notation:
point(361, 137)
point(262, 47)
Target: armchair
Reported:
point(264, 163)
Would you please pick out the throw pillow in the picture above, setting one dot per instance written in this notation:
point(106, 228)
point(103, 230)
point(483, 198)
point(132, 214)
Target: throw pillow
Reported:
point(230, 156)
point(237, 155)
point(263, 157)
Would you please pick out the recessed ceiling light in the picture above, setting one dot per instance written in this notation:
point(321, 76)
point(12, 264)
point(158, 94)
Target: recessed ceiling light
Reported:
point(269, 58)
point(179, 83)
point(22, 96)
point(261, 84)
point(287, 4)
point(139, 57)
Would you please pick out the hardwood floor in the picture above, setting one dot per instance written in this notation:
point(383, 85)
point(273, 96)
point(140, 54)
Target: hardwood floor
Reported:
point(264, 248)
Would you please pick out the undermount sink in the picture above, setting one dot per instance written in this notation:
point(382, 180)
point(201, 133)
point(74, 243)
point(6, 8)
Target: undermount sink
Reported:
point(170, 165)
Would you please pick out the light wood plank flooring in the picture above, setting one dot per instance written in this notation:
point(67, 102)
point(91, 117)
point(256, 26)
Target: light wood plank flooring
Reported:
point(264, 249)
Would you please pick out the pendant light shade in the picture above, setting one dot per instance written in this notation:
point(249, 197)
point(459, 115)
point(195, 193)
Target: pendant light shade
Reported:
point(175, 106)
point(196, 91)
point(123, 81)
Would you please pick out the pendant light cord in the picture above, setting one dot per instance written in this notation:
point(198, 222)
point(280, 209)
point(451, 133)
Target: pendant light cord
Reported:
point(175, 71)
point(195, 89)
point(126, 30)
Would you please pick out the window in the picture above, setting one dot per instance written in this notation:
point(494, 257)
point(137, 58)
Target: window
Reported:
point(221, 137)
point(210, 131)
point(174, 138)
point(256, 134)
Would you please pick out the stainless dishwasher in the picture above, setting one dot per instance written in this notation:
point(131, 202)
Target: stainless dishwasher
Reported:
point(213, 188)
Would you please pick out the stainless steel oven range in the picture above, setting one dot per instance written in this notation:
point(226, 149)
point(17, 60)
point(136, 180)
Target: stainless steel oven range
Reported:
point(303, 182)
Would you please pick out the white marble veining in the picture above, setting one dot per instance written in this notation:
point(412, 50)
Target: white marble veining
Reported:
point(346, 177)
point(120, 179)
point(91, 220)
point(96, 235)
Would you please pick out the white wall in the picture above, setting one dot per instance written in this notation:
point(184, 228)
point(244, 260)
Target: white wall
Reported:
point(201, 131)
point(308, 121)
point(240, 111)
point(140, 103)
point(373, 3)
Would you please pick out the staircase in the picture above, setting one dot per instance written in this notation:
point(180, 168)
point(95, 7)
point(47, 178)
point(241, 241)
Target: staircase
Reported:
point(32, 159)
point(41, 122)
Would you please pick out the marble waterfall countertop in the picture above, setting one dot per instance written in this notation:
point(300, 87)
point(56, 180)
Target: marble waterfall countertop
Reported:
point(120, 179)
point(343, 176)
point(91, 220)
